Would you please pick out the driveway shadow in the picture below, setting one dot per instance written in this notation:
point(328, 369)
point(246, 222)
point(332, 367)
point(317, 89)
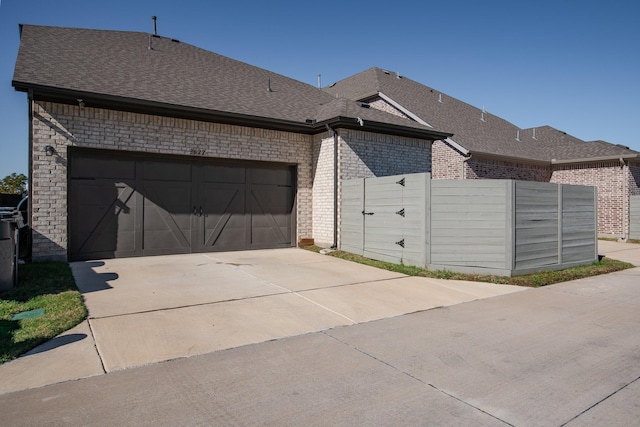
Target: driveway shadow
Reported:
point(88, 280)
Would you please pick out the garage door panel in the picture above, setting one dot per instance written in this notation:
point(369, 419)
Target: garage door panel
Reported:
point(223, 198)
point(272, 199)
point(94, 166)
point(167, 217)
point(224, 217)
point(153, 170)
point(271, 207)
point(272, 176)
point(224, 174)
point(228, 234)
point(122, 206)
point(102, 220)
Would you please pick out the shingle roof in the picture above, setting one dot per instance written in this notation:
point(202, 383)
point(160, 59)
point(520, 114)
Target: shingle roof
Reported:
point(561, 146)
point(121, 65)
point(476, 130)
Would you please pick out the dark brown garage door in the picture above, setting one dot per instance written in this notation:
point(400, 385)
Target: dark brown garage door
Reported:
point(123, 206)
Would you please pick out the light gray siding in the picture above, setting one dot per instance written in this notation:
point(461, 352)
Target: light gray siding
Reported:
point(395, 218)
point(469, 222)
point(536, 225)
point(634, 229)
point(499, 227)
point(579, 223)
point(351, 218)
point(389, 213)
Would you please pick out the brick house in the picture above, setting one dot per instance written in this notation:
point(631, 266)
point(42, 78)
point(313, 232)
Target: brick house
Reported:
point(143, 145)
point(485, 146)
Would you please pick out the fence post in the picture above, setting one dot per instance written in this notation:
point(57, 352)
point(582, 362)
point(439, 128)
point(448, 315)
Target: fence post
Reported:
point(595, 221)
point(560, 225)
point(427, 220)
point(510, 225)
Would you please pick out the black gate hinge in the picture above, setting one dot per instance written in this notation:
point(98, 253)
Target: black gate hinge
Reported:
point(400, 212)
point(400, 243)
point(401, 182)
point(367, 213)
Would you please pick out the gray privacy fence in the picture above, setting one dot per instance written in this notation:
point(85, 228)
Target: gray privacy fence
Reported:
point(634, 218)
point(501, 227)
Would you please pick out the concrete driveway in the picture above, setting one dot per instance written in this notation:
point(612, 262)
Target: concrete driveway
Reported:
point(152, 309)
point(628, 252)
point(561, 355)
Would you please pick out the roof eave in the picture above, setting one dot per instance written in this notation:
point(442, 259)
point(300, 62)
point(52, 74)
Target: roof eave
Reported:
point(492, 156)
point(510, 159)
point(352, 123)
point(72, 97)
point(619, 157)
point(67, 96)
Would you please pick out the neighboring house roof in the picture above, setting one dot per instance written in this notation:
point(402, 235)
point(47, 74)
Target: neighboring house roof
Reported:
point(143, 71)
point(561, 147)
point(475, 130)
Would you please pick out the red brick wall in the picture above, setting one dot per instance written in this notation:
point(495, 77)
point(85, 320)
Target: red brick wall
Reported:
point(609, 178)
point(446, 161)
point(491, 169)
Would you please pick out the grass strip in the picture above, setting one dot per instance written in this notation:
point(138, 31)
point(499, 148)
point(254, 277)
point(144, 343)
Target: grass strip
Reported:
point(535, 280)
point(47, 286)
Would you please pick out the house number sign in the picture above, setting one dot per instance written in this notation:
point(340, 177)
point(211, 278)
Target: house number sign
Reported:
point(197, 152)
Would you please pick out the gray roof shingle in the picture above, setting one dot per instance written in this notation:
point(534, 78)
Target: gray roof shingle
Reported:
point(121, 65)
point(118, 63)
point(476, 130)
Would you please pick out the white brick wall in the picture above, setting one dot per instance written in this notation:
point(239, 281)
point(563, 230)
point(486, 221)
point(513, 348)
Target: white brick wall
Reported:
point(382, 105)
point(365, 154)
point(61, 126)
point(323, 189)
point(360, 155)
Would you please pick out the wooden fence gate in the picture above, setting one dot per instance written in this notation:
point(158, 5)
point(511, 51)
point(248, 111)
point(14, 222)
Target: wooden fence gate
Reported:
point(385, 218)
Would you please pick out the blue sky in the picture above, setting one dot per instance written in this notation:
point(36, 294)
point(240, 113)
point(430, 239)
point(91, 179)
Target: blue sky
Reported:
point(570, 64)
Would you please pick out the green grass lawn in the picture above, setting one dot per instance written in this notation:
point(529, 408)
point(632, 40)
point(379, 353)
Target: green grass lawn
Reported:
point(45, 286)
point(535, 280)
